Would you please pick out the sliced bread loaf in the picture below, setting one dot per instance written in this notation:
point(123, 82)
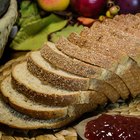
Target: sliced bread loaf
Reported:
point(114, 39)
point(12, 118)
point(41, 111)
point(91, 43)
point(24, 105)
point(62, 61)
point(24, 82)
point(111, 65)
point(55, 76)
point(61, 79)
point(85, 55)
point(119, 40)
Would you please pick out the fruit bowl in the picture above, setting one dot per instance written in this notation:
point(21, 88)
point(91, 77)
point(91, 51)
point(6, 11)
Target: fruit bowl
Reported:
point(6, 24)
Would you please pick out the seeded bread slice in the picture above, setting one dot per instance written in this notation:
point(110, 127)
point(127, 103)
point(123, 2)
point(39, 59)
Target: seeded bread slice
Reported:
point(40, 111)
point(88, 42)
point(47, 73)
point(24, 105)
point(124, 26)
point(23, 81)
point(61, 79)
point(130, 23)
point(96, 82)
point(111, 65)
point(85, 55)
point(119, 40)
point(51, 54)
point(12, 118)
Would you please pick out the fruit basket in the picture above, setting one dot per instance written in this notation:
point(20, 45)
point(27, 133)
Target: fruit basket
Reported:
point(6, 23)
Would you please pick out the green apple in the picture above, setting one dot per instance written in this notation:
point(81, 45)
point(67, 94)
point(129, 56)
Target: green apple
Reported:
point(53, 5)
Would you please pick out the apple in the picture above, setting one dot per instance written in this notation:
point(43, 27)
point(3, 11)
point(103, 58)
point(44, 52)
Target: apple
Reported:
point(53, 5)
point(88, 8)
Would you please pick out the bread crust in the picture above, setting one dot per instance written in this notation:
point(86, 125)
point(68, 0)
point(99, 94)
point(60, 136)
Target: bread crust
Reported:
point(128, 68)
point(59, 81)
point(85, 55)
point(94, 83)
point(68, 64)
point(17, 120)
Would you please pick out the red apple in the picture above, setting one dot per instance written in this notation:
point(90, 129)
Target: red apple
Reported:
point(89, 8)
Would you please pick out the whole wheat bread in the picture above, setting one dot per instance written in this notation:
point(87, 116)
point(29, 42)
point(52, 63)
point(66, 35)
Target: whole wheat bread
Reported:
point(119, 40)
point(41, 111)
point(61, 79)
point(15, 119)
point(68, 47)
point(24, 82)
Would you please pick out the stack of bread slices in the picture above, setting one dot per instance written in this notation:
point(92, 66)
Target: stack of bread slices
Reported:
point(62, 81)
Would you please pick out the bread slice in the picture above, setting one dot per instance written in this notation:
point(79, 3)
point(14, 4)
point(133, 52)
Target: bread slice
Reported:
point(125, 25)
point(114, 39)
point(131, 50)
point(131, 21)
point(50, 53)
point(40, 111)
point(85, 55)
point(12, 118)
point(89, 42)
point(96, 82)
point(24, 105)
point(61, 79)
point(110, 65)
point(23, 81)
point(55, 76)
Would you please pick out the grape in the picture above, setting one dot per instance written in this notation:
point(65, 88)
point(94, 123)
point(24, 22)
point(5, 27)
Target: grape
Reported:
point(128, 6)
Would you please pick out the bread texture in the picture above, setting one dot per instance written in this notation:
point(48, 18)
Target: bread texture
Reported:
point(14, 119)
point(61, 79)
point(51, 54)
point(55, 76)
point(131, 50)
point(24, 105)
point(41, 111)
point(32, 87)
point(85, 55)
point(56, 85)
point(87, 41)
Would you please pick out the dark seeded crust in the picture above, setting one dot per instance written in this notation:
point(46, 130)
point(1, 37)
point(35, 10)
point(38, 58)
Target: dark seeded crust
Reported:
point(34, 113)
point(68, 64)
point(41, 114)
point(111, 78)
point(85, 55)
point(95, 83)
point(132, 72)
point(47, 99)
point(14, 119)
point(93, 45)
point(72, 84)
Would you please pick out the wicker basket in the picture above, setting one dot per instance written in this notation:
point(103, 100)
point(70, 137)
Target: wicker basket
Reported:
point(6, 23)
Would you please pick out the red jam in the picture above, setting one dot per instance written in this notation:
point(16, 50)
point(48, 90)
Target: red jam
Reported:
point(117, 127)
